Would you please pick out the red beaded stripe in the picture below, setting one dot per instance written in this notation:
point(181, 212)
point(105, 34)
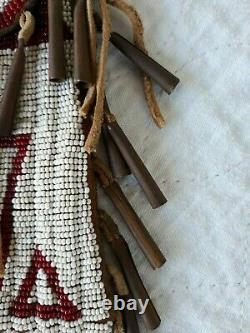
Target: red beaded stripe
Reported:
point(6, 219)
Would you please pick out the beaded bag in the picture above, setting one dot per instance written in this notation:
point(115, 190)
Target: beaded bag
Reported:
point(53, 276)
point(62, 259)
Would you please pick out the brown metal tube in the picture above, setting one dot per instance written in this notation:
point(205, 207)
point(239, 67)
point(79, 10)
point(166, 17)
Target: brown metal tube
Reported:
point(163, 77)
point(141, 234)
point(101, 151)
point(82, 56)
point(131, 324)
point(119, 282)
point(135, 284)
point(117, 163)
point(57, 70)
point(150, 317)
point(137, 228)
point(138, 168)
point(12, 91)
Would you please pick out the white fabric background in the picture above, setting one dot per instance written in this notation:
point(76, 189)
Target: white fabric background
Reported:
point(200, 160)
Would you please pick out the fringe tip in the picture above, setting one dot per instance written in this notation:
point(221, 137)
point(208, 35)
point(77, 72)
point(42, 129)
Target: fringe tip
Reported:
point(157, 116)
point(161, 123)
point(83, 114)
point(89, 150)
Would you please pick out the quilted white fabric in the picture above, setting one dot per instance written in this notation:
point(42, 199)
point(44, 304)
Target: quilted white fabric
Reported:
point(200, 160)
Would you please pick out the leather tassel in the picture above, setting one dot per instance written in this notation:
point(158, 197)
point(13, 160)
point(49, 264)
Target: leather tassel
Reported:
point(135, 284)
point(158, 73)
point(129, 316)
point(57, 68)
point(150, 317)
point(130, 320)
point(117, 283)
point(108, 152)
point(117, 163)
point(118, 324)
point(115, 270)
point(138, 168)
point(12, 91)
point(82, 54)
point(137, 228)
point(14, 79)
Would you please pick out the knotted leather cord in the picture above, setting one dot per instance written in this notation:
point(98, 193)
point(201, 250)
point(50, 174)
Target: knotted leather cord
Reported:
point(138, 32)
point(119, 280)
point(95, 131)
point(122, 289)
point(27, 24)
point(91, 93)
point(97, 90)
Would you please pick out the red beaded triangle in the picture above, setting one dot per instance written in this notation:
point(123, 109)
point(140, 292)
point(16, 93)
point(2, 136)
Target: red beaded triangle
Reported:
point(21, 308)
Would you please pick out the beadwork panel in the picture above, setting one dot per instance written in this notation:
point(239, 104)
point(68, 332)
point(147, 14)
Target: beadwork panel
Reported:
point(53, 278)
